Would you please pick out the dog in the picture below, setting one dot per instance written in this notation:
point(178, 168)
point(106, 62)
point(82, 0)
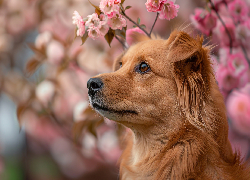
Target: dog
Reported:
point(166, 93)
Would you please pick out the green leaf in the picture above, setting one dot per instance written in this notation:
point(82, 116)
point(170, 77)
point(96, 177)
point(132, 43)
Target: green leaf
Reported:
point(122, 1)
point(121, 33)
point(138, 20)
point(143, 26)
point(109, 36)
point(128, 7)
point(97, 9)
point(84, 37)
point(134, 26)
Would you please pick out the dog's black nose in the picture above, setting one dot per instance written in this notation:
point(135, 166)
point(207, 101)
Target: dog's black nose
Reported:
point(94, 85)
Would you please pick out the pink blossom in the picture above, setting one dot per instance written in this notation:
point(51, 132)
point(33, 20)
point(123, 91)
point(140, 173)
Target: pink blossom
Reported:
point(243, 33)
point(129, 32)
point(203, 20)
point(238, 105)
point(225, 41)
point(117, 22)
point(224, 52)
point(108, 145)
point(78, 21)
point(93, 20)
point(244, 79)
point(154, 5)
point(237, 64)
point(97, 27)
point(78, 112)
point(89, 145)
point(247, 23)
point(226, 79)
point(44, 91)
point(110, 7)
point(43, 39)
point(246, 89)
point(103, 28)
point(94, 32)
point(55, 52)
point(169, 10)
point(238, 9)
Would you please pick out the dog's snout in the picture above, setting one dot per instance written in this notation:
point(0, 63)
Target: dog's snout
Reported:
point(94, 85)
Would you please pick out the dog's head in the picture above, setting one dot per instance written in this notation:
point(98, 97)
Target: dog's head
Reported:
point(155, 80)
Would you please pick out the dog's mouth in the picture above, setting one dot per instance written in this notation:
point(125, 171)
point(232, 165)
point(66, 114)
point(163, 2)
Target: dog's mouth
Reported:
point(100, 107)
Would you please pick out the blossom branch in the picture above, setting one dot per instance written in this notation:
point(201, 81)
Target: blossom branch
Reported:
point(228, 33)
point(154, 23)
point(124, 14)
point(245, 54)
point(123, 44)
point(223, 24)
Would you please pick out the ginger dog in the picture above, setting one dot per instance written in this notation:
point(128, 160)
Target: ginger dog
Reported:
point(166, 93)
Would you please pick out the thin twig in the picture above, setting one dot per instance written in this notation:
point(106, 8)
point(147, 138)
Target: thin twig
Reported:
point(241, 45)
point(222, 22)
point(245, 53)
point(124, 14)
point(123, 44)
point(154, 24)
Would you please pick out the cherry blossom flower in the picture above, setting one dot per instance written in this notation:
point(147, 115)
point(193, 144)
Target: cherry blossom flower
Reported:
point(225, 41)
point(169, 10)
point(104, 27)
point(108, 145)
point(246, 89)
point(204, 21)
point(237, 64)
point(226, 79)
point(154, 5)
point(238, 105)
point(243, 34)
point(55, 52)
point(117, 22)
point(44, 91)
point(94, 32)
point(110, 7)
point(80, 107)
point(93, 20)
point(238, 9)
point(95, 25)
point(43, 39)
point(78, 21)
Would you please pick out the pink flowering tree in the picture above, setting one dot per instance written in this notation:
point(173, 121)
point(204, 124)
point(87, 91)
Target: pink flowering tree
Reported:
point(227, 23)
point(109, 19)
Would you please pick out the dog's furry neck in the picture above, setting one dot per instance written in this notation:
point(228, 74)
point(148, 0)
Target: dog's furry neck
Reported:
point(155, 156)
point(186, 154)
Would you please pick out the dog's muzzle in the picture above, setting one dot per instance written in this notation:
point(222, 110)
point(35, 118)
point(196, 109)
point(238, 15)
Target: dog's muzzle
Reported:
point(94, 85)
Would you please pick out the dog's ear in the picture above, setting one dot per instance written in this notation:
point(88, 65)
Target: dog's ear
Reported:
point(192, 73)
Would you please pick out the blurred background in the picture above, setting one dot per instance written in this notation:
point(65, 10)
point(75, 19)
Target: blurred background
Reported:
point(47, 129)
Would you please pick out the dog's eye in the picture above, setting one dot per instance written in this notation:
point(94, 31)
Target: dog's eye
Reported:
point(143, 68)
point(120, 63)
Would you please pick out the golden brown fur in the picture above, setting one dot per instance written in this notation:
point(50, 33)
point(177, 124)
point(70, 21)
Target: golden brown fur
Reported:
point(175, 111)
